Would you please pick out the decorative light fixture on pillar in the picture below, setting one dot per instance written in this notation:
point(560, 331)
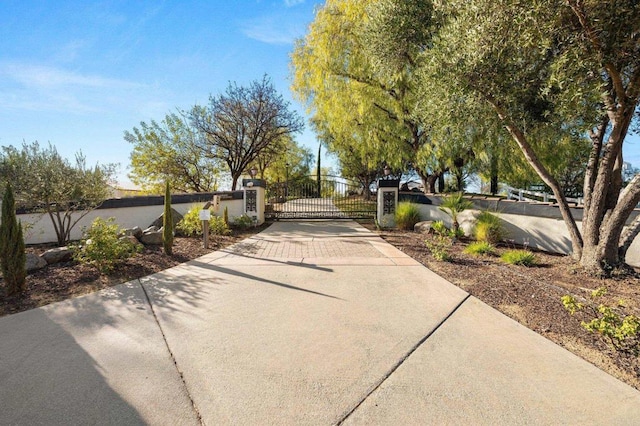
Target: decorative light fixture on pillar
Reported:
point(387, 171)
point(253, 172)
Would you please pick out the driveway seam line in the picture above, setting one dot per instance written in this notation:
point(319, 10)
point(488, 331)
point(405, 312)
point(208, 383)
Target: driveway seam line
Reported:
point(173, 358)
point(400, 362)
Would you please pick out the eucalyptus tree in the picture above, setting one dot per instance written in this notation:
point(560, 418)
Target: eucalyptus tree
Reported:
point(560, 66)
point(242, 123)
point(169, 151)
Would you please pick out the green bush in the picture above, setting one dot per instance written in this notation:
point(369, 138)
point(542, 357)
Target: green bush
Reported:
point(489, 228)
point(453, 205)
point(191, 225)
point(439, 247)
point(12, 255)
point(621, 331)
point(407, 215)
point(102, 247)
point(439, 228)
point(519, 257)
point(242, 222)
point(217, 226)
point(479, 248)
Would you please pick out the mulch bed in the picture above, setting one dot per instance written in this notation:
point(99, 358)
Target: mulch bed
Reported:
point(532, 295)
point(70, 279)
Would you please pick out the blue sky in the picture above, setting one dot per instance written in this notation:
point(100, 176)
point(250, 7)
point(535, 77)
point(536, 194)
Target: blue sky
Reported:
point(79, 73)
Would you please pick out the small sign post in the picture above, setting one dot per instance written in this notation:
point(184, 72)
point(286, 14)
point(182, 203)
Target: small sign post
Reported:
point(205, 217)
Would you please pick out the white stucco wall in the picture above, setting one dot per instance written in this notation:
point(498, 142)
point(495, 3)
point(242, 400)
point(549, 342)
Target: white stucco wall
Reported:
point(538, 232)
point(41, 229)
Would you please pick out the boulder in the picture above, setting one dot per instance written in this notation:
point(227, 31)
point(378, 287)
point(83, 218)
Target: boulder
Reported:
point(34, 262)
point(135, 231)
point(152, 228)
point(152, 237)
point(132, 239)
point(57, 255)
point(177, 217)
point(424, 226)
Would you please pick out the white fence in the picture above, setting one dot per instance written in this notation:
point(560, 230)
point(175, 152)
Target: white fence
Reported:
point(535, 196)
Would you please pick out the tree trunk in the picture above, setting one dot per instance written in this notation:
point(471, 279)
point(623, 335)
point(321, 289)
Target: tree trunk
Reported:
point(534, 162)
point(494, 175)
point(628, 235)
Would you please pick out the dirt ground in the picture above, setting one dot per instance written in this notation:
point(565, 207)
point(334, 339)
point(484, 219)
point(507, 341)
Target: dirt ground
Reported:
point(532, 296)
point(69, 279)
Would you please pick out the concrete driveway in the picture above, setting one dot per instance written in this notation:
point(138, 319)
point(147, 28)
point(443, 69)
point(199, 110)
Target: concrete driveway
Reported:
point(306, 323)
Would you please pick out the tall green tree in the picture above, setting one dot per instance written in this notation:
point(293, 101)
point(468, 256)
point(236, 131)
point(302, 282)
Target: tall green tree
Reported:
point(44, 181)
point(170, 150)
point(558, 67)
point(339, 80)
point(242, 123)
point(12, 253)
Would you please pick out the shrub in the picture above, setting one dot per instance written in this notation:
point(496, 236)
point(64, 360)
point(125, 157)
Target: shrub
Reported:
point(167, 223)
point(453, 205)
point(407, 215)
point(622, 332)
point(242, 222)
point(12, 255)
point(489, 228)
point(479, 248)
point(439, 247)
point(102, 247)
point(191, 225)
point(439, 228)
point(217, 226)
point(519, 257)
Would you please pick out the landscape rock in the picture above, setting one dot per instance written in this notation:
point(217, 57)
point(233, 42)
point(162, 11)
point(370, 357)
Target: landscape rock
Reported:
point(424, 226)
point(57, 255)
point(152, 237)
point(34, 262)
point(132, 239)
point(136, 231)
point(152, 228)
point(177, 217)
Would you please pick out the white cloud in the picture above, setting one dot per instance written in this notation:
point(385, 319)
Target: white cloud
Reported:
point(273, 30)
point(46, 88)
point(38, 76)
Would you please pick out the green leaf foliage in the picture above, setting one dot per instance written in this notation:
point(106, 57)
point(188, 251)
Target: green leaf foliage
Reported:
point(44, 181)
point(519, 257)
point(103, 248)
point(12, 250)
point(169, 150)
point(407, 215)
point(480, 248)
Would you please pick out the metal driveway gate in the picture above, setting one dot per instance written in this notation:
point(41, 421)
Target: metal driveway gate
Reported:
point(332, 197)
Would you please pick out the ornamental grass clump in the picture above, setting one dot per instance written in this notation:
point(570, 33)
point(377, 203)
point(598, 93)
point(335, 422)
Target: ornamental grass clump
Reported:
point(519, 257)
point(489, 228)
point(478, 248)
point(407, 215)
